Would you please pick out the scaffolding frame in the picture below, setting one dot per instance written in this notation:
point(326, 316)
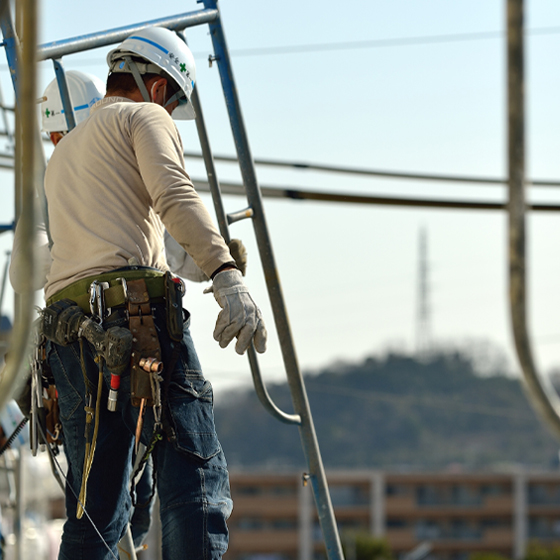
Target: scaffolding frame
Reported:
point(539, 390)
point(210, 15)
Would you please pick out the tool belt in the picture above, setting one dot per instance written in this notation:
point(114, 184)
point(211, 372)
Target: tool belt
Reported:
point(67, 319)
point(114, 296)
point(134, 291)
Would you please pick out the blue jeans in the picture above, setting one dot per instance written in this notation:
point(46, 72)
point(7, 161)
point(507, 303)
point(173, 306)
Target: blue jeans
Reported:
point(142, 514)
point(191, 471)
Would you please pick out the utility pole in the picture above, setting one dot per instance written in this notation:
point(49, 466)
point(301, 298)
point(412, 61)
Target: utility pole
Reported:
point(423, 327)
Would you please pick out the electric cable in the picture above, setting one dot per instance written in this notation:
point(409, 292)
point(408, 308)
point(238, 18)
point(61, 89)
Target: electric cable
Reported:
point(14, 435)
point(355, 45)
point(377, 43)
point(322, 196)
point(378, 172)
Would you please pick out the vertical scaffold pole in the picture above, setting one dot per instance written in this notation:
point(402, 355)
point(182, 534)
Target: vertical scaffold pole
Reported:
point(539, 389)
point(316, 475)
point(24, 75)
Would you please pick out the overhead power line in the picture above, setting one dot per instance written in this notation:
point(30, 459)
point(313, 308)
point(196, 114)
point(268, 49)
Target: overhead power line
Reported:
point(380, 43)
point(363, 44)
point(201, 185)
point(6, 161)
point(296, 193)
point(378, 173)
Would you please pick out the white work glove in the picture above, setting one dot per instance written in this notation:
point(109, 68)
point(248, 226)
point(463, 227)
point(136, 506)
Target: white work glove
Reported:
point(240, 317)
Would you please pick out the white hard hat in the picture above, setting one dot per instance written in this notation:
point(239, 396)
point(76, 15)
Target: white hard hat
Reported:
point(84, 89)
point(165, 51)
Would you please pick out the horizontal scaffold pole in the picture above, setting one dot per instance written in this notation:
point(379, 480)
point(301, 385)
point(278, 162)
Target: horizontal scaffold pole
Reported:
point(57, 49)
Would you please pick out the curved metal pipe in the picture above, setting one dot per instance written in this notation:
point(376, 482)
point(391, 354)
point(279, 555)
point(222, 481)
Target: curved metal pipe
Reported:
point(540, 391)
point(223, 224)
point(26, 113)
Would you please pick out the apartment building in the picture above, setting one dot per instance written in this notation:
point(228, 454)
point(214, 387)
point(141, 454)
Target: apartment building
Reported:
point(452, 514)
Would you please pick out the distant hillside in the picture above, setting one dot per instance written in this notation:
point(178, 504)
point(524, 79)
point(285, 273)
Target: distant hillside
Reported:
point(394, 412)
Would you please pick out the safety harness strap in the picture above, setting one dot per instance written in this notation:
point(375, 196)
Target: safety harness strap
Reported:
point(115, 294)
point(145, 342)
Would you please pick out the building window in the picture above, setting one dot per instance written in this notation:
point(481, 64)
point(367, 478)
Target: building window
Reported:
point(243, 490)
point(283, 490)
point(543, 494)
point(394, 523)
point(249, 524)
point(495, 523)
point(349, 495)
point(455, 495)
point(397, 490)
point(352, 526)
point(252, 490)
point(260, 524)
point(544, 527)
point(284, 524)
point(495, 490)
point(427, 529)
point(454, 529)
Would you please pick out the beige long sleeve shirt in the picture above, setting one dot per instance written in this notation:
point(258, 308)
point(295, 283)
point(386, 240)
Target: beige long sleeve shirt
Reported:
point(111, 183)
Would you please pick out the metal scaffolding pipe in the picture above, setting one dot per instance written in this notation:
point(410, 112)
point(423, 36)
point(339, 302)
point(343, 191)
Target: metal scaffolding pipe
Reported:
point(58, 49)
point(539, 389)
point(27, 72)
point(316, 475)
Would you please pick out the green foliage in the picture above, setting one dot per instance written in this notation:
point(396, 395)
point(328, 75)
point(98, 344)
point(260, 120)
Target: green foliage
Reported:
point(362, 546)
point(536, 551)
point(487, 556)
point(395, 411)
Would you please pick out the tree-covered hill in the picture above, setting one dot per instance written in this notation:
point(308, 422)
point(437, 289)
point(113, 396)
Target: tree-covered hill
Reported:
point(394, 412)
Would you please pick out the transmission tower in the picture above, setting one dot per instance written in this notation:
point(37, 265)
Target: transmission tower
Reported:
point(423, 326)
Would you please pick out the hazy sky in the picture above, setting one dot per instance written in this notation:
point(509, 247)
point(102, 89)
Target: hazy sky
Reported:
point(432, 103)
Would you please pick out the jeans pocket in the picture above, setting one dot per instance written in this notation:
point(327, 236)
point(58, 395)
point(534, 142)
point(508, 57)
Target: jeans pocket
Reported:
point(192, 415)
point(63, 362)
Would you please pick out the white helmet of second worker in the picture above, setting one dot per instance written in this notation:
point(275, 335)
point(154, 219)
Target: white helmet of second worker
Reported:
point(84, 90)
point(167, 55)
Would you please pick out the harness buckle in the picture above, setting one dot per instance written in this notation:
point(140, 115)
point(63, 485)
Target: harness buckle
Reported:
point(125, 294)
point(97, 300)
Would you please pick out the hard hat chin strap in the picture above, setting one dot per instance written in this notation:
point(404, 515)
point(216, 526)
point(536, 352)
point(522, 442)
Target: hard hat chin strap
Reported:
point(179, 96)
point(131, 66)
point(138, 79)
point(148, 98)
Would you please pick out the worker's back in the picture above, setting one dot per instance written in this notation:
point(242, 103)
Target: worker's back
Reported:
point(103, 183)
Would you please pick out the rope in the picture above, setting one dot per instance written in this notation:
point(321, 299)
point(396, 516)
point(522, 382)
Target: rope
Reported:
point(90, 446)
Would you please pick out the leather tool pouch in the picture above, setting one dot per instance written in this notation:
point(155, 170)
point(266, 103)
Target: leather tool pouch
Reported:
point(52, 418)
point(174, 291)
point(145, 342)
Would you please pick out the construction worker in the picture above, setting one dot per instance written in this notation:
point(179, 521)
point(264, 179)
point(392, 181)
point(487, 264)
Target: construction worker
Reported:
point(85, 90)
point(112, 184)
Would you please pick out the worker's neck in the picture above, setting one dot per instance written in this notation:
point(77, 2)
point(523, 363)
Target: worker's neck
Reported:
point(132, 95)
